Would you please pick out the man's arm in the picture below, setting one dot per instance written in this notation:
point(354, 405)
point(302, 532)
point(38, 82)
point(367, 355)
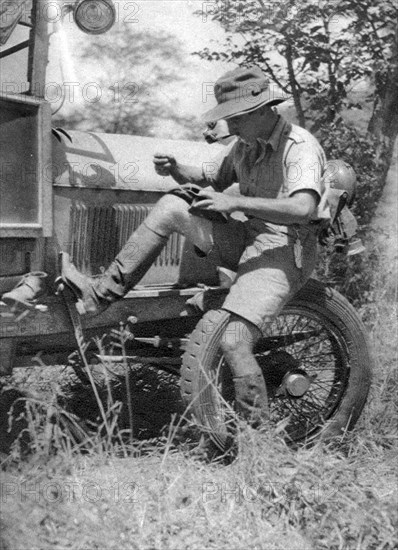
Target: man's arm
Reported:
point(295, 209)
point(219, 173)
point(166, 165)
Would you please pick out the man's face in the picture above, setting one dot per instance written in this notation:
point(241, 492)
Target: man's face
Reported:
point(247, 126)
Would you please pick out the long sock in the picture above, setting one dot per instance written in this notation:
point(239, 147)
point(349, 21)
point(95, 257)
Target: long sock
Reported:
point(131, 264)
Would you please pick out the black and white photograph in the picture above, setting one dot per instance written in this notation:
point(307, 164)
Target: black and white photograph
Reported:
point(198, 275)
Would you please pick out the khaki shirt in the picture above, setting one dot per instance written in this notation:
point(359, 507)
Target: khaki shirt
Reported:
point(290, 160)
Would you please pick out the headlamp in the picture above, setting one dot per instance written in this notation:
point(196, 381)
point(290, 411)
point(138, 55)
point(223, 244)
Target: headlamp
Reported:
point(94, 16)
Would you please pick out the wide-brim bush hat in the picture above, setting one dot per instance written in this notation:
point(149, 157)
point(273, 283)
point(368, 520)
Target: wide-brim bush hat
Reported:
point(241, 91)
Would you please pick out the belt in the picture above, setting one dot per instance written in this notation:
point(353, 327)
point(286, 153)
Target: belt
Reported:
point(311, 222)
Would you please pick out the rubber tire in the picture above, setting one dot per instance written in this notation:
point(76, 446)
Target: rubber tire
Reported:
point(314, 298)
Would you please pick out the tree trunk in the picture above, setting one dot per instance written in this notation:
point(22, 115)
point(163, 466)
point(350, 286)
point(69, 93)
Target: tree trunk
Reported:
point(293, 84)
point(384, 121)
point(385, 220)
point(384, 125)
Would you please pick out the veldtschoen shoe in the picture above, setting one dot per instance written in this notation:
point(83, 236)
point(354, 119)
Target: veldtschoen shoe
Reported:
point(31, 287)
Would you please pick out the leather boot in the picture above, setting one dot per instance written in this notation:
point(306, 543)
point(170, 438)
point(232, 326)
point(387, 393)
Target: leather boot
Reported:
point(95, 294)
point(251, 400)
point(28, 290)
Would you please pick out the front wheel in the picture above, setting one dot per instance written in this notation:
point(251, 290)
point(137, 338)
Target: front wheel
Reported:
point(315, 361)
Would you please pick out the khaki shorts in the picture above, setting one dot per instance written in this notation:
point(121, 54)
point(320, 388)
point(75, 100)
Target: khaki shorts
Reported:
point(262, 254)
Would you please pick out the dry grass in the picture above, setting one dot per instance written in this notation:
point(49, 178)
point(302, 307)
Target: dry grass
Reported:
point(161, 493)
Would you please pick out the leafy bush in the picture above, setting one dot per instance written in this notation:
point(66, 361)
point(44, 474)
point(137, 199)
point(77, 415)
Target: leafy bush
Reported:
point(341, 141)
point(354, 276)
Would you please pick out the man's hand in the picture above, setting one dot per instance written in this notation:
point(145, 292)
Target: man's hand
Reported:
point(216, 202)
point(165, 164)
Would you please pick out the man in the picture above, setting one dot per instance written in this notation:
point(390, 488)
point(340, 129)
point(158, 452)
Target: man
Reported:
point(278, 167)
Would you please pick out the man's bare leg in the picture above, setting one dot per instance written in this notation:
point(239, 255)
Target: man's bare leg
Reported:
point(238, 342)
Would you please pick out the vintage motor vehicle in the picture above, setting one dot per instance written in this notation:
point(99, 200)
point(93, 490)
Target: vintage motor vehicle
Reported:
point(84, 193)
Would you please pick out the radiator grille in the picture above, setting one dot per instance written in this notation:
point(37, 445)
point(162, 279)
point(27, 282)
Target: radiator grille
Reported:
point(97, 233)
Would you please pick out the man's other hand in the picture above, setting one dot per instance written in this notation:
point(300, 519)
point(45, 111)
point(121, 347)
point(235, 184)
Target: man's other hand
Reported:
point(208, 199)
point(164, 164)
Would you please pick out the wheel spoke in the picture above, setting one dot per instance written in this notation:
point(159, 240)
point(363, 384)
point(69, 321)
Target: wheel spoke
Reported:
point(310, 345)
point(319, 356)
point(308, 355)
point(298, 412)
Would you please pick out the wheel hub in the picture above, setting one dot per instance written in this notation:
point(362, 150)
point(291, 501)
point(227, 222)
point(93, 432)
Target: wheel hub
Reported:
point(283, 375)
point(276, 365)
point(296, 383)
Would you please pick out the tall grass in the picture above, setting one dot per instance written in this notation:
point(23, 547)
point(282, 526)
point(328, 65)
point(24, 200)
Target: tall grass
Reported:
point(163, 493)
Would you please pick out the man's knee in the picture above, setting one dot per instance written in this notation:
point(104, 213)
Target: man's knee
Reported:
point(169, 212)
point(171, 205)
point(233, 347)
point(239, 336)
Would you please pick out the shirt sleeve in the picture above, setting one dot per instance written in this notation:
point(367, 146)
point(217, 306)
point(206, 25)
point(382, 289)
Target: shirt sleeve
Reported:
point(220, 172)
point(304, 167)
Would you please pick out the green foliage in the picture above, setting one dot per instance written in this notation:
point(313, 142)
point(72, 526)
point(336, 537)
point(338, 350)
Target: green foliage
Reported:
point(316, 51)
point(354, 276)
point(373, 26)
point(342, 141)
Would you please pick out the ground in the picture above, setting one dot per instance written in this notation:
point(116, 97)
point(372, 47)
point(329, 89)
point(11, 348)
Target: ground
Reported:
point(163, 492)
